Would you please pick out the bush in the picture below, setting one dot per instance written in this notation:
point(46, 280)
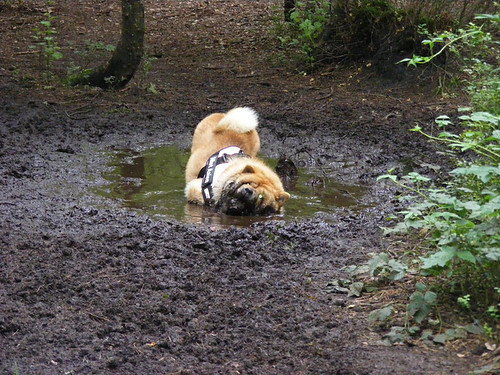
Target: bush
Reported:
point(306, 25)
point(324, 31)
point(460, 217)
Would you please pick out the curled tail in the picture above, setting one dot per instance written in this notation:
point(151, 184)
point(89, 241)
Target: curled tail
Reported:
point(240, 120)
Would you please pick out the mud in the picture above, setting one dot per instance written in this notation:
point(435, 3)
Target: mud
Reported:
point(88, 286)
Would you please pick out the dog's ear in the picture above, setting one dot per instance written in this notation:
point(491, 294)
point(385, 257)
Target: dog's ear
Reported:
point(248, 169)
point(282, 198)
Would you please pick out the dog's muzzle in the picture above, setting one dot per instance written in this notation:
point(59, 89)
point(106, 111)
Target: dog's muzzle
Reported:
point(239, 202)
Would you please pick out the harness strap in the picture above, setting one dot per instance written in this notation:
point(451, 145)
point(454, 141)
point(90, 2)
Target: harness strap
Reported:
point(208, 173)
point(219, 160)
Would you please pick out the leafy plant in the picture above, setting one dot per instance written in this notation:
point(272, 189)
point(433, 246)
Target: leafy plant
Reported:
point(494, 313)
point(422, 301)
point(45, 43)
point(464, 301)
point(323, 31)
point(446, 41)
point(381, 315)
point(93, 51)
point(382, 267)
point(307, 23)
point(463, 216)
point(475, 49)
point(459, 218)
point(145, 68)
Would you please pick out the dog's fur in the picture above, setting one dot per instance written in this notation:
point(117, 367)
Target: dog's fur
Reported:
point(247, 186)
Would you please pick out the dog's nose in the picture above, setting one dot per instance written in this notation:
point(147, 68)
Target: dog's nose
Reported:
point(248, 194)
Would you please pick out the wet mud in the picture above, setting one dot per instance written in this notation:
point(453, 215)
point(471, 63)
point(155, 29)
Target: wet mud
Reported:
point(93, 283)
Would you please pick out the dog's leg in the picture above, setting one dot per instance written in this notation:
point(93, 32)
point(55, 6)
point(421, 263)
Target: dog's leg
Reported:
point(193, 191)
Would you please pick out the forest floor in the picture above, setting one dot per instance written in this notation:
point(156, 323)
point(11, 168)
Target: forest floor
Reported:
point(88, 286)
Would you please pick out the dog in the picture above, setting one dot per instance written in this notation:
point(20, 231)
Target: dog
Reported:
point(223, 171)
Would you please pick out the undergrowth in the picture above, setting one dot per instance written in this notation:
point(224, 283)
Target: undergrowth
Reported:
point(453, 224)
point(46, 45)
point(323, 31)
point(81, 59)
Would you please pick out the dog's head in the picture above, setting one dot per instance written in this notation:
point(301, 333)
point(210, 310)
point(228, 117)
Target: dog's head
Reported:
point(250, 188)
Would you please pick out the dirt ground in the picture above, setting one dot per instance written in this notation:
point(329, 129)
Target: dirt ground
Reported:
point(89, 287)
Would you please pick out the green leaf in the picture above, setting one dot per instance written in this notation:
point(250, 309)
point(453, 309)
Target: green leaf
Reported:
point(358, 270)
point(492, 208)
point(484, 117)
point(445, 215)
point(413, 330)
point(484, 173)
point(381, 315)
point(491, 253)
point(404, 60)
point(388, 176)
point(378, 260)
point(57, 55)
point(336, 286)
point(443, 120)
point(474, 329)
point(447, 135)
point(495, 134)
point(427, 334)
point(420, 305)
point(398, 228)
point(421, 287)
point(467, 256)
point(440, 258)
point(442, 198)
point(471, 206)
point(440, 338)
point(416, 301)
point(430, 298)
point(397, 270)
point(457, 333)
point(397, 334)
point(493, 17)
point(417, 177)
point(355, 289)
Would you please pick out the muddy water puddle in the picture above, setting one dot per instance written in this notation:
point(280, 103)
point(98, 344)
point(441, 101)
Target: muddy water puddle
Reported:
point(152, 182)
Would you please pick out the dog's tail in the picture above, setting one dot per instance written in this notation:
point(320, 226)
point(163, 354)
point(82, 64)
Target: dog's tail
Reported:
point(240, 120)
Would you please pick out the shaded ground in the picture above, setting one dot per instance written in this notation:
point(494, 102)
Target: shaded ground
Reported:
point(87, 287)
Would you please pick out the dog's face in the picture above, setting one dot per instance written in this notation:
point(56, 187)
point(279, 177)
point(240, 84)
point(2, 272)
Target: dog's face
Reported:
point(252, 190)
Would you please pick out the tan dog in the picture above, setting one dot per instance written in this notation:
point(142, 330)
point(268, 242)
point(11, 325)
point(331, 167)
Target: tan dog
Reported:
point(223, 171)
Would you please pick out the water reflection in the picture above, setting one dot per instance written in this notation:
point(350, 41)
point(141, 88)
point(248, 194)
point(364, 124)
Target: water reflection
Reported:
point(153, 182)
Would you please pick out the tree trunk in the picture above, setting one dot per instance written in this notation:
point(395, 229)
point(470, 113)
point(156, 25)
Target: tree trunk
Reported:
point(288, 8)
point(118, 71)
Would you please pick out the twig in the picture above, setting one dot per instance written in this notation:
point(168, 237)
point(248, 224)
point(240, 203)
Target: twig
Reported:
point(97, 317)
point(215, 101)
point(25, 53)
point(250, 75)
point(325, 96)
point(210, 67)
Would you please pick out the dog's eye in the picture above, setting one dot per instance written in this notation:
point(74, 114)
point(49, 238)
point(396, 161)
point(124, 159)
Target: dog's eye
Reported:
point(261, 196)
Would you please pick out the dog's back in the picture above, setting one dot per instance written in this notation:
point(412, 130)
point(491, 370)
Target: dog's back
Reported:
point(217, 131)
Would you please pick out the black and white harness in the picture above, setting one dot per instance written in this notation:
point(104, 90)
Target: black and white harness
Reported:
point(216, 164)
